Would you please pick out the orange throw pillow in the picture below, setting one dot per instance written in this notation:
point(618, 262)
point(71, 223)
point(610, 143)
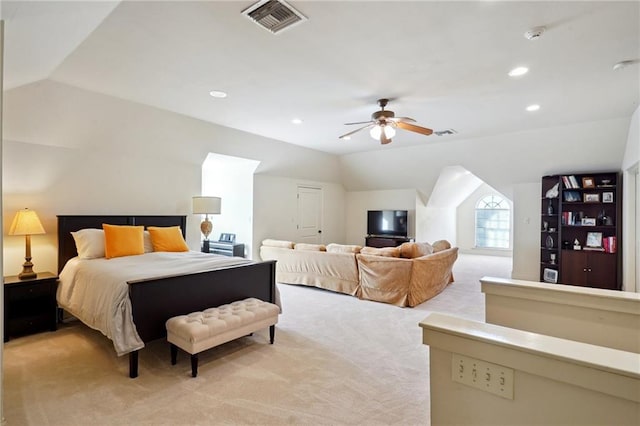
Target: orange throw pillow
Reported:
point(168, 238)
point(122, 240)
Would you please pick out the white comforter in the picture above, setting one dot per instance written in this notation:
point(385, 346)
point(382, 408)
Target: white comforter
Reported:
point(96, 291)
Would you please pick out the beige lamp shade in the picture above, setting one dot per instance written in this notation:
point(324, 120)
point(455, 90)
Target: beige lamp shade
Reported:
point(206, 206)
point(26, 222)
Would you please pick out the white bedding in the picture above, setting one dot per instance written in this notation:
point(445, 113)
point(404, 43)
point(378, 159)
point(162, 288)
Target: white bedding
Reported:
point(96, 291)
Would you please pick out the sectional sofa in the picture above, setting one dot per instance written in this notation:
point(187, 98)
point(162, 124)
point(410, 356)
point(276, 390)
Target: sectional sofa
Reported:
point(403, 276)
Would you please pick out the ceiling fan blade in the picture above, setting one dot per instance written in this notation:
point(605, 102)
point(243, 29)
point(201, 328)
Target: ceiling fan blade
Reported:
point(414, 128)
point(356, 130)
point(358, 122)
point(405, 119)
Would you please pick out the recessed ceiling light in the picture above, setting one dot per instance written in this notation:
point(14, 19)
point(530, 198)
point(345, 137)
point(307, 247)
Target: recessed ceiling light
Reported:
point(218, 94)
point(517, 72)
point(296, 121)
point(533, 107)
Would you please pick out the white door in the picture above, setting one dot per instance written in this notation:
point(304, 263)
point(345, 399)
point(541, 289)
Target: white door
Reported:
point(309, 215)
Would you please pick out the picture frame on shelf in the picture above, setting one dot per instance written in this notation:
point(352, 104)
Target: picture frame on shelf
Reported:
point(550, 276)
point(588, 182)
point(594, 239)
point(592, 198)
point(607, 197)
point(571, 196)
point(588, 221)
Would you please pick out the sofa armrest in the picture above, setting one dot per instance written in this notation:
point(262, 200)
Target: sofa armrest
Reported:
point(384, 279)
point(431, 274)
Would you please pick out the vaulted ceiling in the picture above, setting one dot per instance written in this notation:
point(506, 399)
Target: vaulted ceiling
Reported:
point(444, 64)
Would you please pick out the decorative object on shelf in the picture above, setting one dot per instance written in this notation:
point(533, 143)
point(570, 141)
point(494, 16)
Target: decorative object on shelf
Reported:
point(607, 197)
point(552, 229)
point(552, 258)
point(576, 245)
point(588, 182)
point(549, 242)
point(550, 208)
point(591, 198)
point(550, 275)
point(610, 244)
point(605, 183)
point(608, 221)
point(27, 223)
point(227, 238)
point(545, 225)
point(571, 196)
point(553, 192)
point(594, 240)
point(206, 206)
point(588, 221)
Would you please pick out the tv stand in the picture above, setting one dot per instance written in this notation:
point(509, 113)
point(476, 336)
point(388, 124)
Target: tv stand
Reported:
point(380, 241)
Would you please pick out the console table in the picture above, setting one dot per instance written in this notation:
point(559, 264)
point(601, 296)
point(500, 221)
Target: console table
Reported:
point(223, 248)
point(375, 241)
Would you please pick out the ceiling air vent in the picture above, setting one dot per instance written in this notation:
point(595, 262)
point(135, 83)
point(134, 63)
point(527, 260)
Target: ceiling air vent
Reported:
point(274, 15)
point(445, 132)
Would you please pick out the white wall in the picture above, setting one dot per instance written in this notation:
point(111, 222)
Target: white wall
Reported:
point(359, 202)
point(275, 209)
point(70, 151)
point(631, 207)
point(526, 231)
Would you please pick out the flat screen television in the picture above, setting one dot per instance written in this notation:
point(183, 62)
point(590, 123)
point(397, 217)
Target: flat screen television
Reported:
point(387, 222)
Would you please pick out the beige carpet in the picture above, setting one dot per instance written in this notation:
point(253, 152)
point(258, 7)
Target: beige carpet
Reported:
point(336, 360)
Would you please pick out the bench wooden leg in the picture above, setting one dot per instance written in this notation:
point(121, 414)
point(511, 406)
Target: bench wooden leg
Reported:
point(194, 365)
point(174, 354)
point(272, 333)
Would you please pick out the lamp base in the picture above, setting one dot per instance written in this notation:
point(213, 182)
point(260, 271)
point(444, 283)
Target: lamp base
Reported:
point(27, 270)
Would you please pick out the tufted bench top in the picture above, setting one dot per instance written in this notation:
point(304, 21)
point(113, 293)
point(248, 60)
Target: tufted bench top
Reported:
point(198, 326)
point(199, 331)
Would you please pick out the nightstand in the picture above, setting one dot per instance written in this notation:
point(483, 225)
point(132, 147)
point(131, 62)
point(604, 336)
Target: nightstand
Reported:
point(30, 305)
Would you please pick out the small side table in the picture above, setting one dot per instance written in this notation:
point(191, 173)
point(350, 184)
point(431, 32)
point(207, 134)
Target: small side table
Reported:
point(30, 305)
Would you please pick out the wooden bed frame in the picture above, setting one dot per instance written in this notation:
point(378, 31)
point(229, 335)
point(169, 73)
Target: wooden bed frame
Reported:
point(154, 301)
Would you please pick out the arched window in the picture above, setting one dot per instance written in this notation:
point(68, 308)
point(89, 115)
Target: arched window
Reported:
point(493, 222)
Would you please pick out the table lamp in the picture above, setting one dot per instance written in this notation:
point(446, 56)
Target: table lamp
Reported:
point(206, 206)
point(26, 223)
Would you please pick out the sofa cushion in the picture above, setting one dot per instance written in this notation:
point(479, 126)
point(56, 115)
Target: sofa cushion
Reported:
point(413, 250)
point(383, 251)
point(343, 248)
point(278, 243)
point(441, 245)
point(310, 247)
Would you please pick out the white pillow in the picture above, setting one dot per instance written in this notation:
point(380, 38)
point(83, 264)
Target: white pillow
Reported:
point(89, 243)
point(148, 245)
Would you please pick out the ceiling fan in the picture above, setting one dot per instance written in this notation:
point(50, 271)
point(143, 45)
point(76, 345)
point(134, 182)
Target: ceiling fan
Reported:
point(383, 125)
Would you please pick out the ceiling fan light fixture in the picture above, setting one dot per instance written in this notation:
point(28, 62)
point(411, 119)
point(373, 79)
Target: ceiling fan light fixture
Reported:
point(376, 131)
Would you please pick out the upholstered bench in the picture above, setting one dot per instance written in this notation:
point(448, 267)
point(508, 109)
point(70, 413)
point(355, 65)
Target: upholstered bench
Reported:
point(199, 331)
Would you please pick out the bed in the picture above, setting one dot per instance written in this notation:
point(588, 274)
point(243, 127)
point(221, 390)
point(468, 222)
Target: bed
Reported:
point(154, 300)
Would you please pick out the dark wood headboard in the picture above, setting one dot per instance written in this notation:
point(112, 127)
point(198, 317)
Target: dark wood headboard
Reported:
point(69, 224)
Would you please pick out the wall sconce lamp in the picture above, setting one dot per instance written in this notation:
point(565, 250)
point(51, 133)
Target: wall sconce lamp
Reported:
point(206, 206)
point(26, 223)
